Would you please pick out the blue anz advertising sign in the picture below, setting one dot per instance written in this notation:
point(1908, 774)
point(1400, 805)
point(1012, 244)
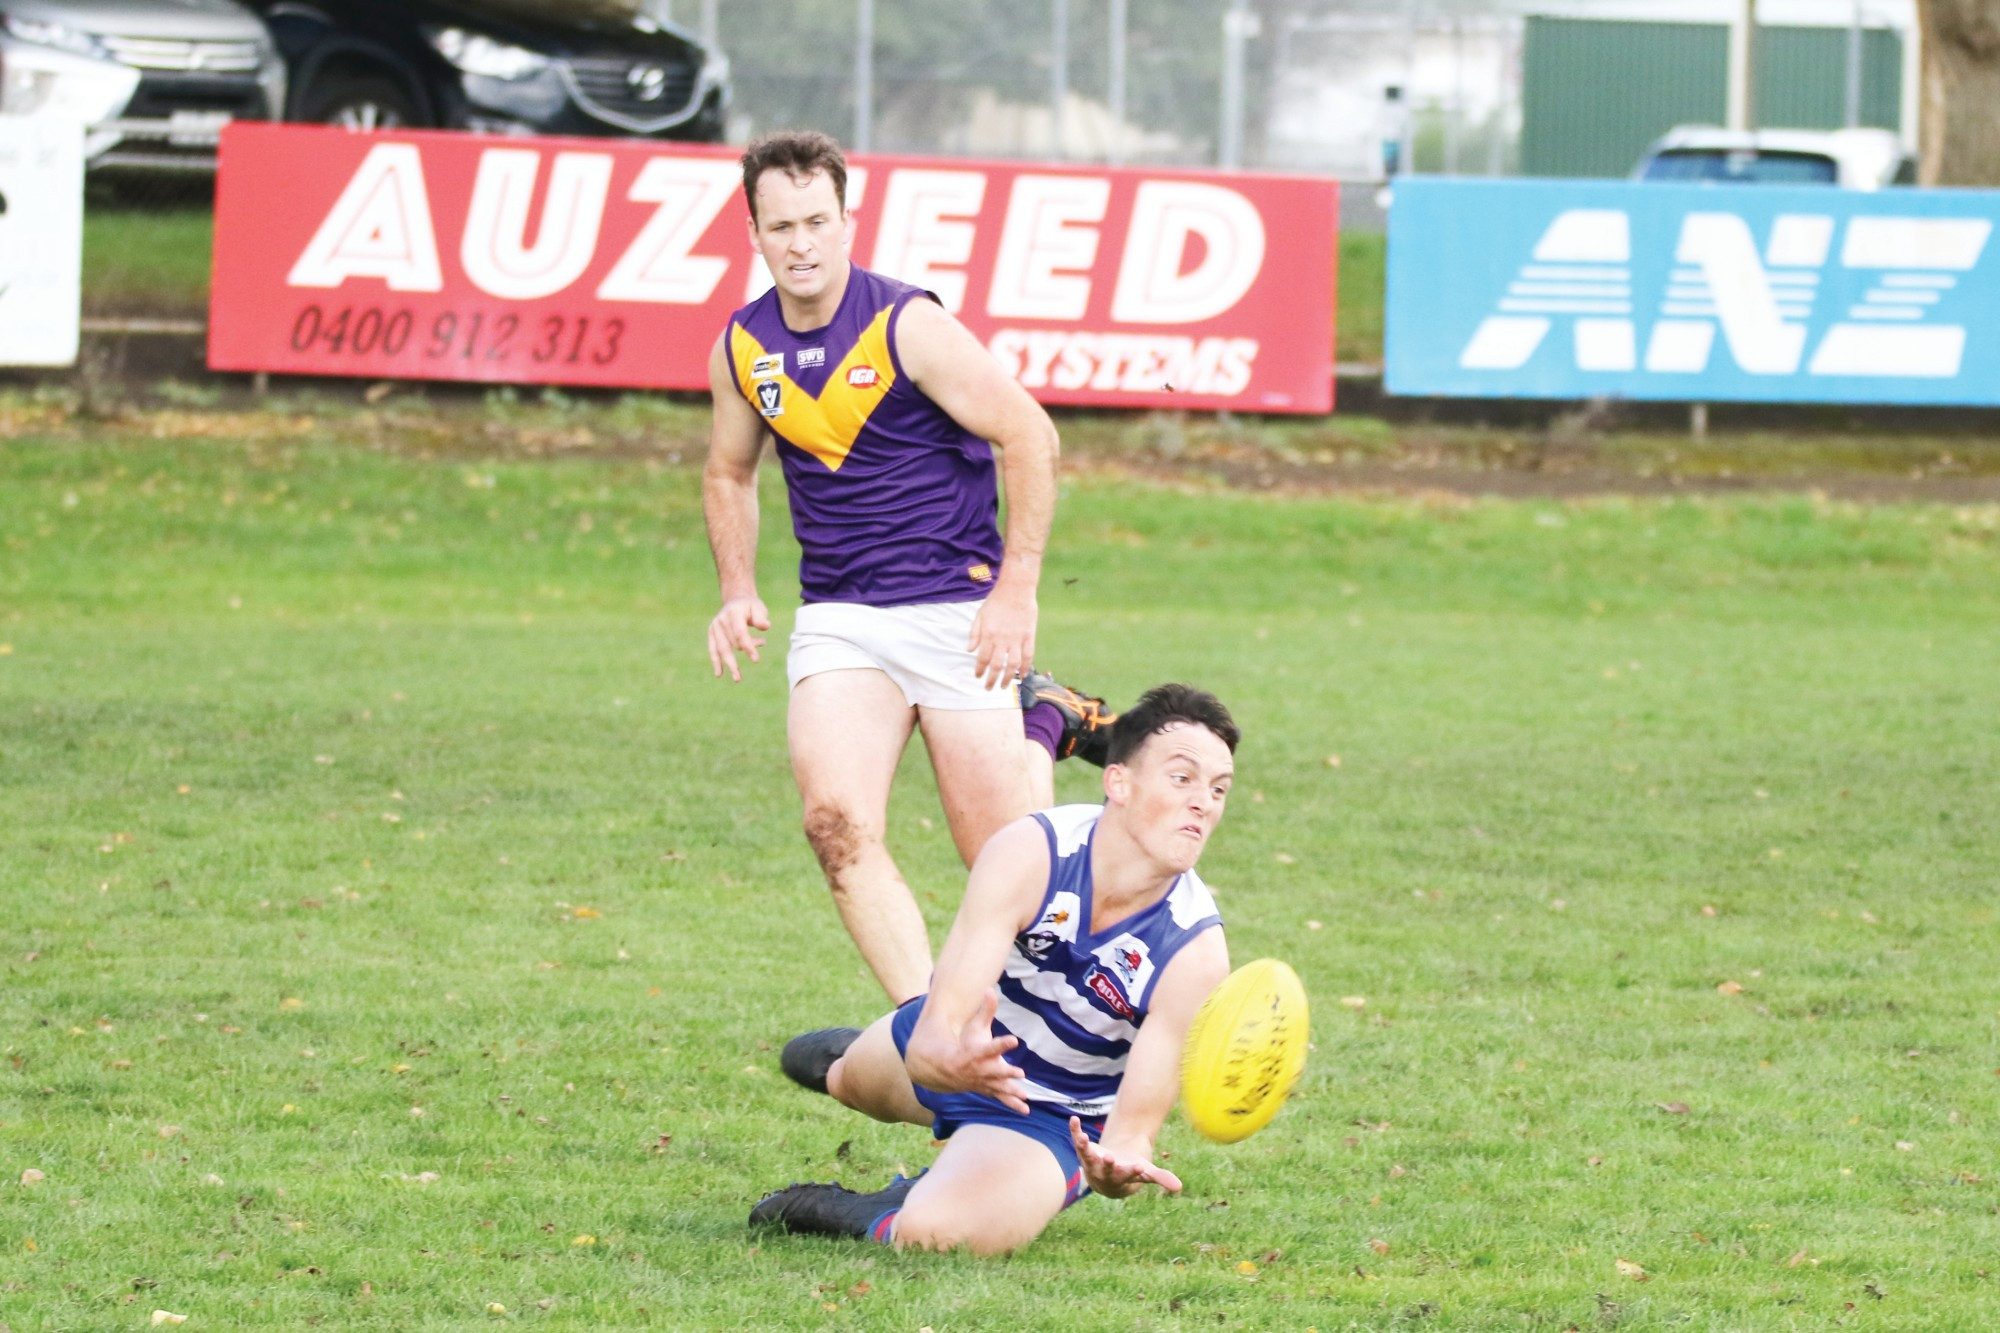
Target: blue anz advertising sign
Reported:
point(1567, 289)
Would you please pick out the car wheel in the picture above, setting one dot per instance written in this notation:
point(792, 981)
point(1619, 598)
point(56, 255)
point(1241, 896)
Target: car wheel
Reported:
point(362, 104)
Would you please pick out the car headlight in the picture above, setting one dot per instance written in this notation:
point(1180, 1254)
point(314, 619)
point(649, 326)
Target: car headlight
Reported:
point(477, 54)
point(58, 35)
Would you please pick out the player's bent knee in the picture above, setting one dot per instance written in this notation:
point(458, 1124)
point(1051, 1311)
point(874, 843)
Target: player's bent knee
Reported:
point(835, 836)
point(944, 1229)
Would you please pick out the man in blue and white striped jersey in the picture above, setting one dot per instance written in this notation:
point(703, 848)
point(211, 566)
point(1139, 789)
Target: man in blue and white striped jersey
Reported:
point(1047, 1052)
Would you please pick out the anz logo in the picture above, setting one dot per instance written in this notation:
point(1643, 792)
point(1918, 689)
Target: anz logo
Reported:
point(1762, 295)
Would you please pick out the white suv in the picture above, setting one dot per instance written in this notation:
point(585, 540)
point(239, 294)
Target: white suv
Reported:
point(154, 80)
point(1859, 159)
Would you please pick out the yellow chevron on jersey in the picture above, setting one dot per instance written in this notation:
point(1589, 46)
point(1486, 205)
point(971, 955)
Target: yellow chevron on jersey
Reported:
point(827, 426)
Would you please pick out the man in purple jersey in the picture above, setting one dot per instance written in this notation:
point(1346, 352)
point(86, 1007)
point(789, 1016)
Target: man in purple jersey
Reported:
point(886, 415)
point(1047, 1053)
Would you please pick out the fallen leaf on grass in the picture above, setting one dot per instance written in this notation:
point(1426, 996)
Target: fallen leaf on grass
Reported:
point(586, 914)
point(1379, 1246)
point(32, 1177)
point(167, 1317)
point(1673, 1108)
point(1626, 1268)
point(1247, 1269)
point(1729, 988)
point(1800, 1258)
point(1354, 1001)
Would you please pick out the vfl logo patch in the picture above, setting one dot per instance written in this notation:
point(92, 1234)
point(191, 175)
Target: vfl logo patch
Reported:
point(768, 367)
point(811, 356)
point(770, 398)
point(1106, 989)
point(862, 377)
point(980, 573)
point(1037, 943)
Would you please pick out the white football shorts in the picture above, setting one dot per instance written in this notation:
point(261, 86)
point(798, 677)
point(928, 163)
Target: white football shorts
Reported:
point(921, 648)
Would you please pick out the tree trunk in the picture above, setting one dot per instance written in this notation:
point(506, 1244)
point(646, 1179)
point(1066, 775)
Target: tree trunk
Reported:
point(1960, 139)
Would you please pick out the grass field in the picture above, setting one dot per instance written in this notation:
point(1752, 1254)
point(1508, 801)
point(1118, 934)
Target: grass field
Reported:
point(400, 924)
point(147, 261)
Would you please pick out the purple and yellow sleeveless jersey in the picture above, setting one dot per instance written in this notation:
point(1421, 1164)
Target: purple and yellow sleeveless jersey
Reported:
point(893, 502)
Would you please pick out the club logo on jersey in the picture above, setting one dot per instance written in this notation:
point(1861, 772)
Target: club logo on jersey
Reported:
point(863, 377)
point(1128, 962)
point(979, 573)
point(770, 398)
point(811, 356)
point(1036, 944)
point(768, 367)
point(1055, 917)
point(1106, 989)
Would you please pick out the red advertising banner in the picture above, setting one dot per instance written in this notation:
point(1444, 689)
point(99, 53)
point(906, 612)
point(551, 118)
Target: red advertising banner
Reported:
point(428, 255)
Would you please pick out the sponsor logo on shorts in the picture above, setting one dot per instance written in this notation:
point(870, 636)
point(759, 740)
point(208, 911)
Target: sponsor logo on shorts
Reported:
point(1106, 989)
point(770, 398)
point(811, 356)
point(980, 573)
point(768, 367)
point(862, 377)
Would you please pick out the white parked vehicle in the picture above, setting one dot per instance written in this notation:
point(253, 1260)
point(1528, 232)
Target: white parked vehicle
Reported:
point(1858, 159)
point(153, 80)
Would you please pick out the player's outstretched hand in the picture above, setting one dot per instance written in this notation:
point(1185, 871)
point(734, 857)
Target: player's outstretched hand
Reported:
point(1002, 642)
point(730, 633)
point(973, 1063)
point(1115, 1175)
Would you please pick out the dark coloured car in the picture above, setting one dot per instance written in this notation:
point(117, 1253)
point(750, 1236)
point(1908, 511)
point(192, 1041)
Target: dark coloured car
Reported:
point(582, 67)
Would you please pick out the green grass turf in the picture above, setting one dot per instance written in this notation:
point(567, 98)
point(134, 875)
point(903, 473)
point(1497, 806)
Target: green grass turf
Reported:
point(314, 754)
point(1358, 296)
point(147, 261)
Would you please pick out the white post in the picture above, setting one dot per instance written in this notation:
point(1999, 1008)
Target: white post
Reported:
point(864, 76)
point(1058, 73)
point(711, 21)
point(1117, 81)
point(1743, 67)
point(1238, 23)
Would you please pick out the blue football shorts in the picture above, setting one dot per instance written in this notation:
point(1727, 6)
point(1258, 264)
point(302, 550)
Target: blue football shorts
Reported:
point(1045, 1124)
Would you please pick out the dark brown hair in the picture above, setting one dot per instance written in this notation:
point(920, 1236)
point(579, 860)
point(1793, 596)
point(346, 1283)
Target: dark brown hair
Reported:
point(797, 153)
point(1161, 707)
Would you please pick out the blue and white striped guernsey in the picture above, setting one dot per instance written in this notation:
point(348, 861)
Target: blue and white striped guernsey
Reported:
point(1076, 1000)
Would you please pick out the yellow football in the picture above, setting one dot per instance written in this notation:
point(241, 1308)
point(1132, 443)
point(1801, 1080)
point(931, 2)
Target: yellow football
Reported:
point(1244, 1052)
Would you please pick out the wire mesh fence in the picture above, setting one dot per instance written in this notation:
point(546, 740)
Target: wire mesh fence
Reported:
point(1296, 85)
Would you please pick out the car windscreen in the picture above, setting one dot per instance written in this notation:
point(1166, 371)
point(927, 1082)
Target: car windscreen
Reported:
point(1741, 166)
